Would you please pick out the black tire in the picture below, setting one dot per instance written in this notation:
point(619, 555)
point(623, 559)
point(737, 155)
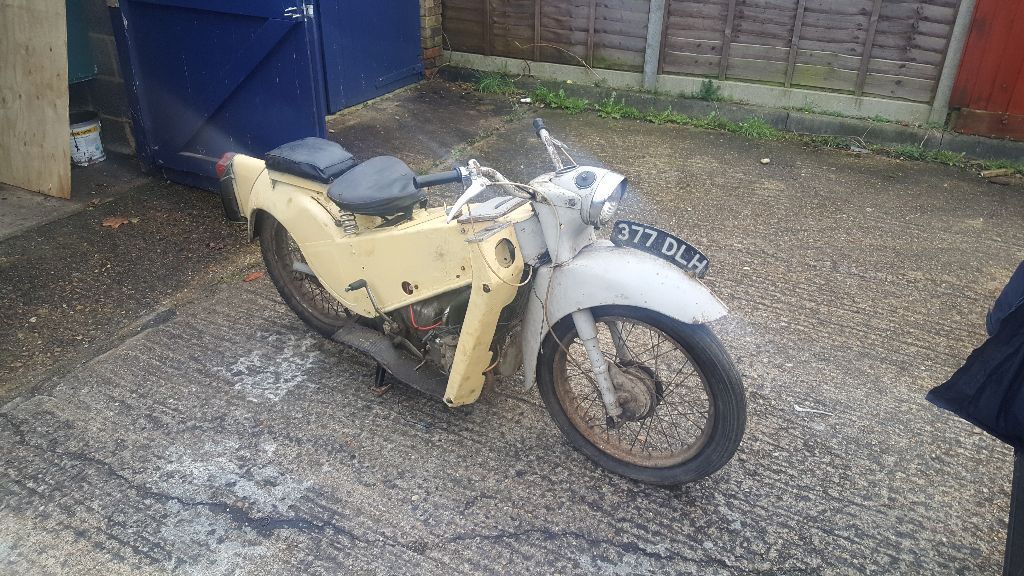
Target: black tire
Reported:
point(726, 401)
point(301, 292)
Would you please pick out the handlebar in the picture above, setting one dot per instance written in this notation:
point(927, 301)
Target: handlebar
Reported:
point(549, 142)
point(538, 125)
point(449, 177)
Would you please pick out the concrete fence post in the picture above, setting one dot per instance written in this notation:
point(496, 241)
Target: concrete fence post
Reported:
point(951, 64)
point(655, 23)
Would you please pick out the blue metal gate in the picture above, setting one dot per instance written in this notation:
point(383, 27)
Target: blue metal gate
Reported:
point(369, 48)
point(210, 76)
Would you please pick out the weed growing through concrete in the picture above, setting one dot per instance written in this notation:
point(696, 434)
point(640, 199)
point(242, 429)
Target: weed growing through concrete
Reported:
point(709, 91)
point(753, 127)
point(559, 100)
point(612, 108)
point(825, 141)
point(496, 83)
point(1000, 164)
point(924, 155)
point(757, 128)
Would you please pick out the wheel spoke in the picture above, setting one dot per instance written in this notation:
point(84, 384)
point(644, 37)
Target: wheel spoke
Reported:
point(307, 288)
point(674, 424)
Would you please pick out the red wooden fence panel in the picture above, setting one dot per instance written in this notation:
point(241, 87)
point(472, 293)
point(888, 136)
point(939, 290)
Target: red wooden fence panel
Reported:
point(989, 88)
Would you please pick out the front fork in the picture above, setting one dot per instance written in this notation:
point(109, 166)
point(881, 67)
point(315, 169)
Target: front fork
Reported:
point(586, 328)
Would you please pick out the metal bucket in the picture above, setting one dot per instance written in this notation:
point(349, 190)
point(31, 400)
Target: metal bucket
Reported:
point(86, 147)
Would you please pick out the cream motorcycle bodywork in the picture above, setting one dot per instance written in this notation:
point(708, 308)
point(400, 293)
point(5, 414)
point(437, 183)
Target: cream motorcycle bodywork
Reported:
point(403, 264)
point(603, 274)
point(584, 273)
point(572, 271)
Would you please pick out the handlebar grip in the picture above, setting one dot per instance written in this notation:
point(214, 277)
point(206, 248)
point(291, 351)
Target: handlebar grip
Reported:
point(437, 179)
point(538, 125)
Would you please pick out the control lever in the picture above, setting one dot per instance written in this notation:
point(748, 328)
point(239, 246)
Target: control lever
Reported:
point(361, 285)
point(551, 144)
point(478, 185)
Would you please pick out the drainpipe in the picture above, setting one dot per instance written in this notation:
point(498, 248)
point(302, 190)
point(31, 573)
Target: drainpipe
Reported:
point(951, 65)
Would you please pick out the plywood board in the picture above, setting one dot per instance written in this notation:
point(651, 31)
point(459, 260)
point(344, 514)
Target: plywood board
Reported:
point(34, 132)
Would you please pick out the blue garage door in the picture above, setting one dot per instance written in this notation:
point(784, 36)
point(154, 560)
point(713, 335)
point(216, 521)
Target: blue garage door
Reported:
point(210, 76)
point(369, 47)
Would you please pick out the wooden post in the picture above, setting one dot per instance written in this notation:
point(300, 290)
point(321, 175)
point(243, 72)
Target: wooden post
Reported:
point(869, 42)
point(664, 36)
point(536, 30)
point(794, 45)
point(36, 149)
point(590, 33)
point(487, 27)
point(723, 62)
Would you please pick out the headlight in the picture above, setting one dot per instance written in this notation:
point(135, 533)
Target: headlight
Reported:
point(606, 199)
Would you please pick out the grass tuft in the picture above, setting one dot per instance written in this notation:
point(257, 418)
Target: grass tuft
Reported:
point(998, 164)
point(709, 91)
point(924, 155)
point(754, 127)
point(496, 83)
point(559, 100)
point(757, 128)
point(612, 108)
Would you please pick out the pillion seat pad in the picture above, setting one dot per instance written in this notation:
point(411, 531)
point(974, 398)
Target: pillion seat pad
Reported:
point(381, 186)
point(311, 158)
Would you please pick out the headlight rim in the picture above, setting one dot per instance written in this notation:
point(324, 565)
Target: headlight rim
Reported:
point(614, 190)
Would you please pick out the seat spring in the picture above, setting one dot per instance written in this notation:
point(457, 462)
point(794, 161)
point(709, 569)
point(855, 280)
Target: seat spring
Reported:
point(347, 222)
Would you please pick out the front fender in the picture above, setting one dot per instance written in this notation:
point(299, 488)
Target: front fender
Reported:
point(603, 274)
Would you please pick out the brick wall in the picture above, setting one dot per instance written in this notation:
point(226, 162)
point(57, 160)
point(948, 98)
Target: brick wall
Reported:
point(430, 30)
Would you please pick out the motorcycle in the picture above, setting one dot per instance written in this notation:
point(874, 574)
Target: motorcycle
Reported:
point(613, 332)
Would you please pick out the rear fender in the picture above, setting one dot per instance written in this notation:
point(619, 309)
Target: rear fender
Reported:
point(255, 191)
point(603, 274)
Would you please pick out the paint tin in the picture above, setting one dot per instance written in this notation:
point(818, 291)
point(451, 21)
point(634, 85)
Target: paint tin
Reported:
point(86, 147)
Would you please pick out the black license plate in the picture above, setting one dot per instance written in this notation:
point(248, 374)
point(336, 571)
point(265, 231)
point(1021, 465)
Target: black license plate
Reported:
point(661, 244)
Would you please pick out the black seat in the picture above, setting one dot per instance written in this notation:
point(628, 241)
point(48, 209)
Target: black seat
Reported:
point(312, 158)
point(381, 186)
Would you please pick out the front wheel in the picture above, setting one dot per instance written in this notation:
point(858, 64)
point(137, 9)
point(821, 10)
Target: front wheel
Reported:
point(684, 410)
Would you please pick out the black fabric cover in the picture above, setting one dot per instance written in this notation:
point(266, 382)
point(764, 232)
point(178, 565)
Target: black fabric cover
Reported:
point(988, 390)
point(1011, 298)
point(313, 158)
point(381, 186)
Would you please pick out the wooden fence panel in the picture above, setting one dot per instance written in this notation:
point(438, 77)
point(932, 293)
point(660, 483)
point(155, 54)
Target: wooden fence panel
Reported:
point(989, 89)
point(463, 25)
point(603, 33)
point(512, 26)
point(891, 48)
point(814, 43)
point(694, 37)
point(620, 34)
point(564, 27)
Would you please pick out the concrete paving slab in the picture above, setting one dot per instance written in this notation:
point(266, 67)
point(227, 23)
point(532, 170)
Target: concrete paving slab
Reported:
point(421, 124)
point(73, 287)
point(869, 132)
point(229, 439)
point(21, 210)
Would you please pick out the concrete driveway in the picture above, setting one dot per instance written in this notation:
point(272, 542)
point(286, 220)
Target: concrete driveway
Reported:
point(227, 438)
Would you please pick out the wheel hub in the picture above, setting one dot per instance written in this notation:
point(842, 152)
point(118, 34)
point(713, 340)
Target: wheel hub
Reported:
point(636, 391)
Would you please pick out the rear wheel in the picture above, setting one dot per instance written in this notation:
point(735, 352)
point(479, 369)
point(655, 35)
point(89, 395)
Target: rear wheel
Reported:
point(684, 410)
point(295, 281)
